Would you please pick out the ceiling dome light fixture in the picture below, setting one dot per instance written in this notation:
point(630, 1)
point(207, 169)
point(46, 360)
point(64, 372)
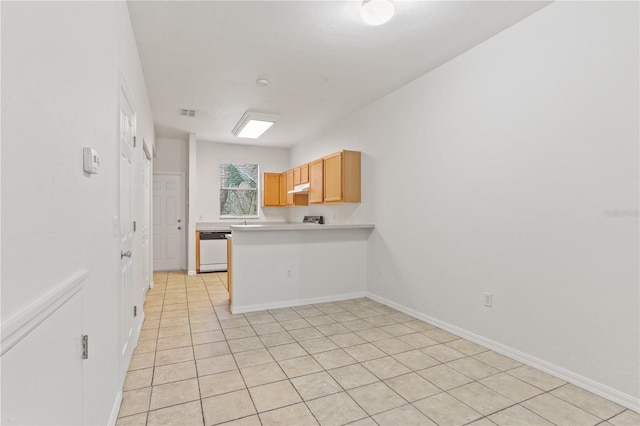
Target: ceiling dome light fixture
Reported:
point(376, 12)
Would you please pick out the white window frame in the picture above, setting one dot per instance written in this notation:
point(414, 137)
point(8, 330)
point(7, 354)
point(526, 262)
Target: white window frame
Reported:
point(257, 189)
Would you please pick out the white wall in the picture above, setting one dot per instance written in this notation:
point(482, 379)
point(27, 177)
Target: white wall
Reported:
point(209, 156)
point(61, 67)
point(495, 172)
point(172, 156)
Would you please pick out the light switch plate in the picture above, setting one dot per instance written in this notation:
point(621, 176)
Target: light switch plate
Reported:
point(91, 161)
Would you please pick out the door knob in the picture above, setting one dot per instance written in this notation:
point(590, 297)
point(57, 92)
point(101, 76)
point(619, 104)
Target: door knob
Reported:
point(125, 254)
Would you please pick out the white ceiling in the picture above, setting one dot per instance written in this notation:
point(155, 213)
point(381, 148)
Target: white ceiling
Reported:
point(321, 59)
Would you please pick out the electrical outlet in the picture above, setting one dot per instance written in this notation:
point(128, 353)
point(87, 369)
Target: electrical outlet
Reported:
point(488, 299)
point(289, 273)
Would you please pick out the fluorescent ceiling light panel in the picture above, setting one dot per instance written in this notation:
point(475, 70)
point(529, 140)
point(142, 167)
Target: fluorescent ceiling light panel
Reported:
point(253, 129)
point(253, 124)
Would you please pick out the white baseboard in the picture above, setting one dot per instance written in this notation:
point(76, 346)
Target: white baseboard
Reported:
point(299, 302)
point(115, 410)
point(191, 272)
point(139, 327)
point(597, 388)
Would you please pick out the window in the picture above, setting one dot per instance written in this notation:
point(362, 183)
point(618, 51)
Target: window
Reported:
point(238, 190)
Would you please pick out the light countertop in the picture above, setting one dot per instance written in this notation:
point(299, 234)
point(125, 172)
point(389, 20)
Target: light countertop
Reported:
point(226, 226)
point(298, 227)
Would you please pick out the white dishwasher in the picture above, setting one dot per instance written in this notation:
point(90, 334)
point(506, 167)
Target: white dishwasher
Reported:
point(213, 250)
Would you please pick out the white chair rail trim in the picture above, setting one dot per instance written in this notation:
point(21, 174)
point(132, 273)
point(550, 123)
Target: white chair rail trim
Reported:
point(24, 322)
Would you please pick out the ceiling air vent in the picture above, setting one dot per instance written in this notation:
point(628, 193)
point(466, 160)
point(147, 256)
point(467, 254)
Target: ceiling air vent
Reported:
point(188, 112)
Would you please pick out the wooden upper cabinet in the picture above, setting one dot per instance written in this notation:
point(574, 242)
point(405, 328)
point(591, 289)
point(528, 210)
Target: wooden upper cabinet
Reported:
point(283, 189)
point(304, 173)
point(332, 179)
point(289, 187)
point(316, 182)
point(271, 190)
point(296, 176)
point(342, 183)
point(294, 199)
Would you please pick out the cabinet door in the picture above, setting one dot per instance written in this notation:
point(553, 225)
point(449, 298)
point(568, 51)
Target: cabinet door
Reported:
point(271, 190)
point(283, 189)
point(304, 173)
point(333, 178)
point(316, 182)
point(289, 187)
point(198, 251)
point(296, 176)
point(351, 176)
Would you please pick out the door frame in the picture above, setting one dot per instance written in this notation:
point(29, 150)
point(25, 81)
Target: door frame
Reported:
point(123, 90)
point(148, 266)
point(183, 210)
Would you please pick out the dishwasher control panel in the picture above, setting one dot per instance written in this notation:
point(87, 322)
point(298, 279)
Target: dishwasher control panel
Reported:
point(214, 235)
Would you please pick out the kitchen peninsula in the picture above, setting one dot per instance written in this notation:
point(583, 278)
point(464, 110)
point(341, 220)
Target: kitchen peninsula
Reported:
point(275, 266)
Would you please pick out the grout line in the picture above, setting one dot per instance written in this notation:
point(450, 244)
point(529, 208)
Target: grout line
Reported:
point(195, 364)
point(153, 371)
point(346, 307)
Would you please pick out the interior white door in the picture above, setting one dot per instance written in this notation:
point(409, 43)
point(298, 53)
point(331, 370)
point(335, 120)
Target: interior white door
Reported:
point(168, 222)
point(127, 134)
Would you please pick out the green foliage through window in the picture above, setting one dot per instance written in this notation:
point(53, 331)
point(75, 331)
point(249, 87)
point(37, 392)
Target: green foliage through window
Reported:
point(238, 189)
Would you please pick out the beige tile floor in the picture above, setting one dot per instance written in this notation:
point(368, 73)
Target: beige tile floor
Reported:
point(354, 362)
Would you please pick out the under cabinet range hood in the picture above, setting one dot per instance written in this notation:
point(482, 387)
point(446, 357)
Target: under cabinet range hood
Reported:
point(300, 189)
